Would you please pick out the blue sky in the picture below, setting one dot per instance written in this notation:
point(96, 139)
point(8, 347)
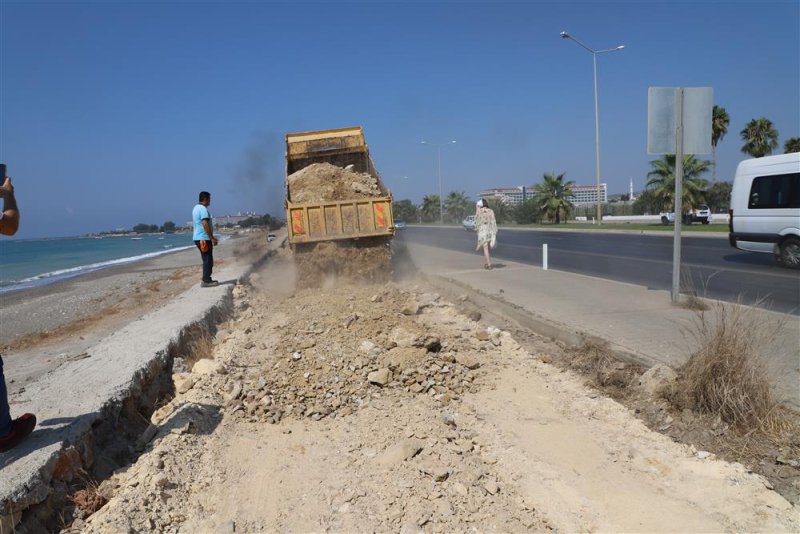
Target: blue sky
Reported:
point(116, 113)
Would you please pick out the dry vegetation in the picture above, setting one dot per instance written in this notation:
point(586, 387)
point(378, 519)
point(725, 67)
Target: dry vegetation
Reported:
point(721, 400)
point(726, 376)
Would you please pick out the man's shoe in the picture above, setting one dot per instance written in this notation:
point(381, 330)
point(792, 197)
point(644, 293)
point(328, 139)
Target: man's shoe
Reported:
point(21, 428)
point(211, 283)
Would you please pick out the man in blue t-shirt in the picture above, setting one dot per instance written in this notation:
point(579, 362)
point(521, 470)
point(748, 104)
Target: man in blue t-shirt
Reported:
point(204, 237)
point(12, 431)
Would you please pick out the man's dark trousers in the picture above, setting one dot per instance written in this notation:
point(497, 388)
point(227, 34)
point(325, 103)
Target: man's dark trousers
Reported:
point(208, 260)
point(5, 414)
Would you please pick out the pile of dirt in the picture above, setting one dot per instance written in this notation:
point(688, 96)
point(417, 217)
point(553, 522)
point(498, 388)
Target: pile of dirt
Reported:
point(383, 408)
point(388, 363)
point(380, 351)
point(323, 181)
point(367, 260)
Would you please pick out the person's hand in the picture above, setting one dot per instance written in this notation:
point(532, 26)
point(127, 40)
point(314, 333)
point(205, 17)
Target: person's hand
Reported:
point(214, 241)
point(7, 188)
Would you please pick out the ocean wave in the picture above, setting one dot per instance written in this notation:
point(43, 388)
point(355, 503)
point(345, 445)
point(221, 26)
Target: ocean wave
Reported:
point(55, 276)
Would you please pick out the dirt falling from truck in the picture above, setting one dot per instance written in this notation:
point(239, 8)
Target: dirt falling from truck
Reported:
point(367, 259)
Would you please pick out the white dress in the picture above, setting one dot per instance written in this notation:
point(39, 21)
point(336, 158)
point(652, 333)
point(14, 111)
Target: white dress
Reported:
point(486, 228)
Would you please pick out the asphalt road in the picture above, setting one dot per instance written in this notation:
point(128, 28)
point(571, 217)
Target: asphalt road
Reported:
point(709, 265)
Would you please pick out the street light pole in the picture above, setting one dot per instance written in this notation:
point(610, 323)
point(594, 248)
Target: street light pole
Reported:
point(439, 172)
point(565, 35)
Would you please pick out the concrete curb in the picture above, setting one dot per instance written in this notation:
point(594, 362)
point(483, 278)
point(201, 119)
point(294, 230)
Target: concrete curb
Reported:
point(108, 391)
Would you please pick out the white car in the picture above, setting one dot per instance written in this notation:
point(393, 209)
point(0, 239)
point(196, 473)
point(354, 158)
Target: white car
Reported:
point(469, 223)
point(701, 214)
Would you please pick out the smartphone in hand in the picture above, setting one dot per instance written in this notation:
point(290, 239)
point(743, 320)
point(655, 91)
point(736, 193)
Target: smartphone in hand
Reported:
point(2, 171)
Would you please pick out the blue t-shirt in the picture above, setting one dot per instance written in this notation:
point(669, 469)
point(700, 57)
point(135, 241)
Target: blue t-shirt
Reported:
point(199, 213)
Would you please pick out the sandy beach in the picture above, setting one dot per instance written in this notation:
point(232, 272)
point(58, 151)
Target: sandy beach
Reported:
point(46, 326)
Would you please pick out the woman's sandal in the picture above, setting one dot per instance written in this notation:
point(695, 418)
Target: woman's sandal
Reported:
point(487, 267)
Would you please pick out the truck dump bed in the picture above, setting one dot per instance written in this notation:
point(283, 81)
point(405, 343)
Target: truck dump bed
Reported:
point(331, 211)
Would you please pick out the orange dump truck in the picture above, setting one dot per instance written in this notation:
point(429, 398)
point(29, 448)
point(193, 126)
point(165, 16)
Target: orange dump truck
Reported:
point(337, 206)
point(326, 219)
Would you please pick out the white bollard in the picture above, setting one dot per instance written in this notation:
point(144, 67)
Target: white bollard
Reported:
point(544, 256)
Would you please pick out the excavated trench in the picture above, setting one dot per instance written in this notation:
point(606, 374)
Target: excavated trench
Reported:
point(70, 486)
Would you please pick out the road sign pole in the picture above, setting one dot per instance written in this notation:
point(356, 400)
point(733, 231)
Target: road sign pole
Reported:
point(676, 243)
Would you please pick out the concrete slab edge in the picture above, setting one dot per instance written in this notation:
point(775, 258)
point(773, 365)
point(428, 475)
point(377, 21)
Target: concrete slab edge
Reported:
point(79, 439)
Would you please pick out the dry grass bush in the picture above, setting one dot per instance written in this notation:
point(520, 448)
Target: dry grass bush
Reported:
point(88, 499)
point(725, 376)
point(196, 344)
point(596, 360)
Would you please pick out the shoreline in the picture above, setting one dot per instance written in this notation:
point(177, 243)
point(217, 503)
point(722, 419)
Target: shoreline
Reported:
point(46, 327)
point(41, 311)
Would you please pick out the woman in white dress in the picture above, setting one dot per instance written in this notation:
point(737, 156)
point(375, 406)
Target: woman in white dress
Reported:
point(486, 227)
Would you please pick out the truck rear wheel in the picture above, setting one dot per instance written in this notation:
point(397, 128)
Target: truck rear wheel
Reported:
point(790, 252)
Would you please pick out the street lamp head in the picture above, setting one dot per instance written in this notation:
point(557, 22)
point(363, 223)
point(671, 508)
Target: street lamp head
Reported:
point(620, 47)
point(564, 35)
point(452, 142)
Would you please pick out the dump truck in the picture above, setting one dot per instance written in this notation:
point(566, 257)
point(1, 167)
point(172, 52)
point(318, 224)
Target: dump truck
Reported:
point(338, 211)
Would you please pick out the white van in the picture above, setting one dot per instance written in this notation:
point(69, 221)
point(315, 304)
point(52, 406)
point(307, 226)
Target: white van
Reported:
point(765, 207)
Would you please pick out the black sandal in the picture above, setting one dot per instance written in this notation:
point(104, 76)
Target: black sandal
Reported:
point(487, 267)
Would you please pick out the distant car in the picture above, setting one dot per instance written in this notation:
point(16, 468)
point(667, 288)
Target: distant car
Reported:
point(701, 214)
point(270, 237)
point(399, 225)
point(469, 223)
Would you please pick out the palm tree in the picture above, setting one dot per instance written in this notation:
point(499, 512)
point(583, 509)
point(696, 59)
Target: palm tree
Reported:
point(791, 145)
point(662, 180)
point(430, 208)
point(719, 127)
point(760, 138)
point(553, 195)
point(457, 205)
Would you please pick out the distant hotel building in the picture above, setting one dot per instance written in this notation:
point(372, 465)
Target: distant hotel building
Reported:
point(587, 194)
point(512, 196)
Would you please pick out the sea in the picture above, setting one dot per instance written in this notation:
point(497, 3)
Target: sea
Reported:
point(29, 263)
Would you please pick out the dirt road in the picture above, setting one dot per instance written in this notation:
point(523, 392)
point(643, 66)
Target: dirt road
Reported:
point(385, 408)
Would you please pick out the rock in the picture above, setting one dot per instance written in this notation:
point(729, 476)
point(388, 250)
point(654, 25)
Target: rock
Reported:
point(411, 527)
point(306, 344)
point(296, 356)
point(474, 315)
point(380, 377)
point(703, 454)
point(427, 299)
point(147, 436)
point(367, 346)
point(491, 487)
point(184, 382)
point(67, 465)
point(782, 459)
point(208, 367)
point(459, 489)
point(236, 390)
point(482, 335)
point(467, 360)
point(448, 420)
point(416, 387)
point(437, 472)
point(399, 452)
point(656, 378)
point(404, 338)
point(410, 308)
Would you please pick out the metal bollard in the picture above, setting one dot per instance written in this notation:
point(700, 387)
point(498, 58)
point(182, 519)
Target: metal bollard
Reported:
point(544, 256)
